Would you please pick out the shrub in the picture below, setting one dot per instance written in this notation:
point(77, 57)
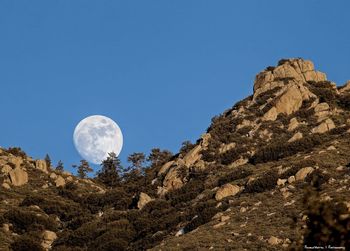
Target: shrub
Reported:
point(25, 243)
point(326, 224)
point(236, 174)
point(280, 149)
point(16, 151)
point(266, 182)
point(232, 155)
point(25, 221)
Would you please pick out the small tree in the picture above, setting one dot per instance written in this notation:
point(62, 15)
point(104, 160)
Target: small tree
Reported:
point(110, 173)
point(83, 169)
point(48, 160)
point(59, 166)
point(137, 160)
point(158, 157)
point(186, 147)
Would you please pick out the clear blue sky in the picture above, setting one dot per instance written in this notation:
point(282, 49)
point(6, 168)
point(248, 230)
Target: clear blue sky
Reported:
point(160, 69)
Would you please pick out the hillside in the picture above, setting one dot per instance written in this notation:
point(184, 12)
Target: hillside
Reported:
point(270, 173)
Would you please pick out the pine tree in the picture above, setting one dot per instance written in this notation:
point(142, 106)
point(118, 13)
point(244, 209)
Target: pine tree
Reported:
point(59, 166)
point(137, 160)
point(158, 157)
point(48, 160)
point(83, 169)
point(110, 173)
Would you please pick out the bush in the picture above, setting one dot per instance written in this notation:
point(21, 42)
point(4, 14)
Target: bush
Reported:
point(236, 174)
point(325, 224)
point(25, 221)
point(281, 149)
point(16, 151)
point(266, 182)
point(25, 243)
point(232, 155)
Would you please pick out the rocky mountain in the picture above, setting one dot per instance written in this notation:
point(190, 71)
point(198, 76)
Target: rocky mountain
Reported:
point(270, 173)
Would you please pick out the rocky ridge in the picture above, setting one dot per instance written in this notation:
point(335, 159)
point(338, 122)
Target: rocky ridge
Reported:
point(264, 176)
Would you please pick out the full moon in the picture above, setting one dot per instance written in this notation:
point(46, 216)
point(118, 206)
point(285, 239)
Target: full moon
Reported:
point(96, 136)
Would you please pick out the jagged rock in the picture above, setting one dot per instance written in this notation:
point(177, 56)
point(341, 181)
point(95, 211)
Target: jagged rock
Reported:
point(274, 240)
point(225, 147)
point(239, 162)
point(321, 107)
point(325, 126)
point(18, 177)
point(60, 181)
point(298, 69)
point(171, 180)
point(143, 200)
point(302, 173)
point(69, 178)
point(345, 87)
point(6, 186)
point(48, 237)
point(41, 165)
point(6, 169)
point(192, 156)
point(296, 136)
point(16, 161)
point(53, 176)
point(6, 227)
point(226, 190)
point(224, 218)
point(291, 179)
point(166, 167)
point(281, 182)
point(271, 114)
point(290, 101)
point(293, 124)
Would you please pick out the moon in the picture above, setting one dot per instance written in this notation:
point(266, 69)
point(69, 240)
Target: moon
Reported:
point(96, 136)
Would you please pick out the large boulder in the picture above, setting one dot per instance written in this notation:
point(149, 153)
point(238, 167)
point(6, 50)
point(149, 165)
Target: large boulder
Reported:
point(60, 181)
point(41, 165)
point(288, 102)
point(325, 126)
point(227, 190)
point(16, 161)
point(295, 137)
point(302, 173)
point(143, 200)
point(48, 237)
point(18, 177)
point(6, 169)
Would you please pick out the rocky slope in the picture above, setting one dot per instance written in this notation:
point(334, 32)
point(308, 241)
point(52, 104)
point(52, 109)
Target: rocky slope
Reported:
point(270, 173)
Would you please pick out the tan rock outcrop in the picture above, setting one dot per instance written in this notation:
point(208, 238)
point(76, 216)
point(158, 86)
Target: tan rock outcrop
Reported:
point(143, 200)
point(166, 167)
point(48, 237)
point(226, 190)
point(325, 126)
point(6, 169)
point(18, 177)
point(6, 186)
point(345, 87)
point(302, 173)
point(298, 70)
point(192, 156)
point(16, 161)
point(274, 241)
point(296, 136)
point(41, 165)
point(293, 124)
point(60, 181)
